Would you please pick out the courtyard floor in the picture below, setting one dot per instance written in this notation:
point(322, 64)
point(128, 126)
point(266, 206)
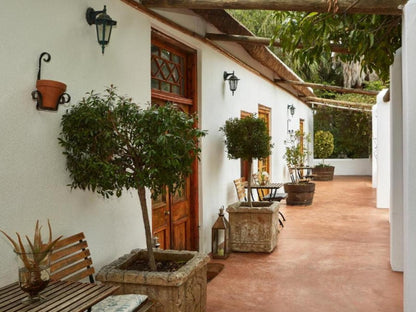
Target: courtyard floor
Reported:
point(331, 256)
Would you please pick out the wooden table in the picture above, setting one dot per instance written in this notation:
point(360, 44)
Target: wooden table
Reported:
point(273, 187)
point(59, 296)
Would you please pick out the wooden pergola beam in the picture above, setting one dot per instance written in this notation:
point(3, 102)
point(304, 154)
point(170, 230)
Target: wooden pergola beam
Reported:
point(382, 7)
point(312, 99)
point(261, 41)
point(327, 87)
point(343, 107)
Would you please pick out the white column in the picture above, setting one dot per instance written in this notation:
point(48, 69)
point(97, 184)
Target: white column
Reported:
point(396, 181)
point(409, 153)
point(383, 151)
point(374, 151)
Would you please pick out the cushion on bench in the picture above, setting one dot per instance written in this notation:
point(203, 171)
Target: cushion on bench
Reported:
point(119, 303)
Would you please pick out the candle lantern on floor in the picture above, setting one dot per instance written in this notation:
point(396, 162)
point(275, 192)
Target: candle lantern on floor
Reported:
point(221, 237)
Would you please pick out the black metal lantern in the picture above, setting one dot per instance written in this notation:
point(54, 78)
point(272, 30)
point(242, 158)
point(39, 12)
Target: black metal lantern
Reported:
point(292, 109)
point(232, 79)
point(221, 237)
point(104, 24)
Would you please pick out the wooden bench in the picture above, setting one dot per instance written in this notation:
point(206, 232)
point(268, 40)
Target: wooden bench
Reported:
point(71, 260)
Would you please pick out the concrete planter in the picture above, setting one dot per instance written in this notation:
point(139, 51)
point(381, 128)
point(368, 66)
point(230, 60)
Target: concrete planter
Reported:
point(254, 229)
point(182, 291)
point(323, 173)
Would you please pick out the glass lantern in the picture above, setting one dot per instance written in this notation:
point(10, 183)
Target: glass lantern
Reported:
point(221, 237)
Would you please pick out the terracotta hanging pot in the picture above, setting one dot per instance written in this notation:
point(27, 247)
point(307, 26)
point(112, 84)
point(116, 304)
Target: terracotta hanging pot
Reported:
point(50, 93)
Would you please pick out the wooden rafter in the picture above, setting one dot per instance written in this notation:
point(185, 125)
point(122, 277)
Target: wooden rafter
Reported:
point(261, 41)
point(327, 87)
point(387, 7)
point(314, 99)
point(361, 109)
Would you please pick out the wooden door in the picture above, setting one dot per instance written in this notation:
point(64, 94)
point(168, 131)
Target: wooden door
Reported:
point(244, 163)
point(173, 71)
point(301, 135)
point(264, 114)
point(171, 214)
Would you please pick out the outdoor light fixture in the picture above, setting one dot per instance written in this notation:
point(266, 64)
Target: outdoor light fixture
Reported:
point(221, 237)
point(232, 79)
point(292, 109)
point(103, 23)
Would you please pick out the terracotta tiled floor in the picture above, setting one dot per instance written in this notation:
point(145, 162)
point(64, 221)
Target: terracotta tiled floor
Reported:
point(331, 256)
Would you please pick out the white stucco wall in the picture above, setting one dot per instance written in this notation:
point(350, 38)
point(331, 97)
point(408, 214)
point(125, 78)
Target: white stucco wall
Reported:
point(349, 166)
point(383, 151)
point(409, 153)
point(396, 190)
point(33, 182)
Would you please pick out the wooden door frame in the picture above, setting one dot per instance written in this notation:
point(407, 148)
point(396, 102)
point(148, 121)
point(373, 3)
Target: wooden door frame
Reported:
point(191, 99)
point(266, 111)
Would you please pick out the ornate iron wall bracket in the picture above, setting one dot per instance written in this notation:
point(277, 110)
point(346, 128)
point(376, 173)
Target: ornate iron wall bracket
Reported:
point(36, 95)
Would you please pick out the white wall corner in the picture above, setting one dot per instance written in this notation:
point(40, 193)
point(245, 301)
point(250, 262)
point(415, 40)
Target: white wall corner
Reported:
point(383, 151)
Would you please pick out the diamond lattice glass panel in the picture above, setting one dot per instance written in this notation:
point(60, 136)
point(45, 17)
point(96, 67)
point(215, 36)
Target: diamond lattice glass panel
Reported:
point(167, 70)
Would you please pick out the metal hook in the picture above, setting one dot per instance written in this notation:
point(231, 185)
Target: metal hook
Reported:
point(46, 59)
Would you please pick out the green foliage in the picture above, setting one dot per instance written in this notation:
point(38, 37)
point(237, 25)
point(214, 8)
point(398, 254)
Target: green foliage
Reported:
point(370, 39)
point(247, 138)
point(111, 144)
point(297, 153)
point(351, 130)
point(323, 144)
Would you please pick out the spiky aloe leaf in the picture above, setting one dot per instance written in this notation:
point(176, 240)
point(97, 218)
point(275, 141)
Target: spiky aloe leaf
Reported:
point(15, 245)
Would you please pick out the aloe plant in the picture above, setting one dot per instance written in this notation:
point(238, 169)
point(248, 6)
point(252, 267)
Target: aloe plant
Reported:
point(37, 248)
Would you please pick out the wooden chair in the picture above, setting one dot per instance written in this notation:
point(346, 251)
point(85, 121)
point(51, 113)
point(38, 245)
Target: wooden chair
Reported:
point(240, 189)
point(71, 260)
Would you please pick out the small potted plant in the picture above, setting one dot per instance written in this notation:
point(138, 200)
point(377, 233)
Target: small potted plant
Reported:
point(323, 148)
point(33, 262)
point(299, 191)
point(254, 226)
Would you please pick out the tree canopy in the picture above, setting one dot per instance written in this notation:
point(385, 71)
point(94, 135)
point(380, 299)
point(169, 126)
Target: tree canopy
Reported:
point(370, 40)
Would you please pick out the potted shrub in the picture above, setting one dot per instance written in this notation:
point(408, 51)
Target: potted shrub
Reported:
point(323, 148)
point(253, 226)
point(112, 145)
point(299, 191)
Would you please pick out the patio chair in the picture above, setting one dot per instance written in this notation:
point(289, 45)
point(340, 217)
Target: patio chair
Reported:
point(240, 189)
point(70, 260)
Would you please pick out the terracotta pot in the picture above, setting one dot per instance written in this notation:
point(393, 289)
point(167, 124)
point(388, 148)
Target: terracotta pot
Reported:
point(50, 91)
point(323, 173)
point(300, 194)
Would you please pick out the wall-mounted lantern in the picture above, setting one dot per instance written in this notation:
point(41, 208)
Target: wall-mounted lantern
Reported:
point(221, 237)
point(291, 108)
point(232, 79)
point(104, 24)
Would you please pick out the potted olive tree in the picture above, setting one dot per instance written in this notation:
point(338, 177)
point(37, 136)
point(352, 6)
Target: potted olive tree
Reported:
point(299, 191)
point(254, 226)
point(323, 148)
point(113, 145)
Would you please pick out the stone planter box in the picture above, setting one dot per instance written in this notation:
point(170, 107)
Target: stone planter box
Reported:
point(254, 229)
point(182, 291)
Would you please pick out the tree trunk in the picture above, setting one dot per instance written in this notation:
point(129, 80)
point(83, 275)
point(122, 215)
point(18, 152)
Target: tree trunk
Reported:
point(142, 198)
point(250, 162)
